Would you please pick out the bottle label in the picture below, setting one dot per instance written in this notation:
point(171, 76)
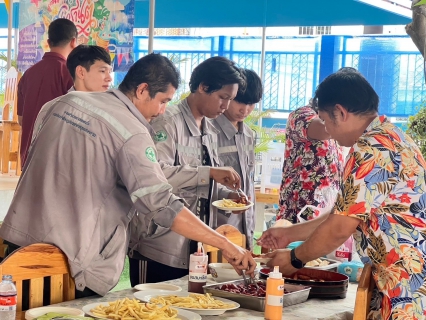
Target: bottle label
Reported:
point(197, 277)
point(281, 287)
point(275, 301)
point(8, 308)
point(8, 300)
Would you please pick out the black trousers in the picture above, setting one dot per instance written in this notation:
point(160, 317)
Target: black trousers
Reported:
point(46, 283)
point(145, 270)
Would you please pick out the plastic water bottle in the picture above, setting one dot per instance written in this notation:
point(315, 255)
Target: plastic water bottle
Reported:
point(8, 298)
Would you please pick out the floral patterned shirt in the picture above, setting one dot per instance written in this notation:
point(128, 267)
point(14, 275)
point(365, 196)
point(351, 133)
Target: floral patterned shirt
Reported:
point(384, 186)
point(309, 166)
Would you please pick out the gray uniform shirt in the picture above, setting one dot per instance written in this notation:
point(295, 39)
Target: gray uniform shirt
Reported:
point(92, 162)
point(179, 143)
point(236, 150)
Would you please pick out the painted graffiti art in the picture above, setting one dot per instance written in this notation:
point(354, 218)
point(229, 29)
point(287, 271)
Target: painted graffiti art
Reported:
point(106, 23)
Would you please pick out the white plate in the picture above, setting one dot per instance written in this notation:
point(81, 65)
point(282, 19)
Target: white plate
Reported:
point(38, 312)
point(157, 286)
point(146, 296)
point(219, 204)
point(183, 314)
point(262, 260)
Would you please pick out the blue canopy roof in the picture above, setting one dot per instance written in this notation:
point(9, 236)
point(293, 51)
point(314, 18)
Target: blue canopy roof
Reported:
point(255, 13)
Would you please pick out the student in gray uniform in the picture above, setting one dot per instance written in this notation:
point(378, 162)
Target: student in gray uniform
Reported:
point(236, 149)
point(91, 166)
point(185, 139)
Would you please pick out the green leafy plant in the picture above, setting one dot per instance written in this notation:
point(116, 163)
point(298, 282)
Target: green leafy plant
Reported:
point(3, 58)
point(417, 128)
point(264, 136)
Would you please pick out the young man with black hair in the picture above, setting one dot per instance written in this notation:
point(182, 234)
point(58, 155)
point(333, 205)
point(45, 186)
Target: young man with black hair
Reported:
point(90, 67)
point(187, 150)
point(382, 201)
point(46, 80)
point(236, 149)
point(91, 166)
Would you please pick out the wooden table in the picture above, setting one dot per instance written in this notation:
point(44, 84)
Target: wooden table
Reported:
point(269, 198)
point(312, 309)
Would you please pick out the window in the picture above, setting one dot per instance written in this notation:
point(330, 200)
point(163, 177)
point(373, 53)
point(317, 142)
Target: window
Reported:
point(310, 31)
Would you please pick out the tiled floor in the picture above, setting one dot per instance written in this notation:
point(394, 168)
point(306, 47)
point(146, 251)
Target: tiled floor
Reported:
point(8, 184)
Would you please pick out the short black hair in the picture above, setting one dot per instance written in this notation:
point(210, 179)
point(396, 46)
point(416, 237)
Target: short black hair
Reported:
point(153, 69)
point(61, 31)
point(254, 89)
point(348, 88)
point(85, 56)
point(214, 73)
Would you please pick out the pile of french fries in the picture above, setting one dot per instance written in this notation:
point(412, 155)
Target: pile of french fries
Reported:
point(132, 309)
point(226, 203)
point(193, 301)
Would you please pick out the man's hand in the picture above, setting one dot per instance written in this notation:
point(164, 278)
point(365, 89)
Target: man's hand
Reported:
point(282, 259)
point(240, 258)
point(226, 176)
point(274, 238)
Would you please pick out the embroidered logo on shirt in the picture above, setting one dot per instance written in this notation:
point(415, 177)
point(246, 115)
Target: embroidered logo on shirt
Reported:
point(160, 136)
point(150, 154)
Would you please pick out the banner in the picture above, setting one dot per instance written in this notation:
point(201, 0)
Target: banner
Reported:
point(106, 23)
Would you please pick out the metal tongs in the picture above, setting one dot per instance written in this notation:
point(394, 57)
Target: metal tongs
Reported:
point(250, 281)
point(241, 194)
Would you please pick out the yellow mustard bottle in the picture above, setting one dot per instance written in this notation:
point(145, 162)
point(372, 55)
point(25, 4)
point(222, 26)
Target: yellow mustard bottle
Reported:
point(274, 295)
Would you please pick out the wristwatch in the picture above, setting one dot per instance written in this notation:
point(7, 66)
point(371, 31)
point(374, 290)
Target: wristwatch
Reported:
point(296, 263)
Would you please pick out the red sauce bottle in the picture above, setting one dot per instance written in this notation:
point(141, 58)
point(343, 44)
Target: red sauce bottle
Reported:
point(197, 270)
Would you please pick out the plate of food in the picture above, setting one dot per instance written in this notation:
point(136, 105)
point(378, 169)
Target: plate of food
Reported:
point(231, 205)
point(260, 258)
point(132, 309)
point(203, 304)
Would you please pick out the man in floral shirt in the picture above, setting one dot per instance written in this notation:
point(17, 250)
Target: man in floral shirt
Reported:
point(312, 163)
point(382, 201)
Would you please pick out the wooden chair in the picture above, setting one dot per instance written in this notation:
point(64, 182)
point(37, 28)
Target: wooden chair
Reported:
point(34, 263)
point(233, 235)
point(364, 292)
point(9, 126)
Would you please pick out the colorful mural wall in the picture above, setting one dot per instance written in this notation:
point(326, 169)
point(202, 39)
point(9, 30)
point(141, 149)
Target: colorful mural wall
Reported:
point(106, 23)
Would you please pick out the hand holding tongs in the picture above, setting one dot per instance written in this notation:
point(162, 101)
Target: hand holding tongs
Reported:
point(250, 281)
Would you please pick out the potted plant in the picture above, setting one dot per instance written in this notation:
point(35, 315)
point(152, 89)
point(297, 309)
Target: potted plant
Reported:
point(417, 128)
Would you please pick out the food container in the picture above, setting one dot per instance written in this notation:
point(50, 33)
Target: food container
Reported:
point(352, 269)
point(332, 266)
point(335, 285)
point(297, 294)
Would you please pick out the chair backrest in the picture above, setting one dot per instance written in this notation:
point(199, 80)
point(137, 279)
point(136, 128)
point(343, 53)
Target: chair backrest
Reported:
point(232, 234)
point(364, 292)
point(10, 110)
point(34, 263)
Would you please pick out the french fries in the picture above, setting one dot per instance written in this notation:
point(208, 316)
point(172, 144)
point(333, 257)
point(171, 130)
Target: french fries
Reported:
point(132, 309)
point(226, 203)
point(193, 301)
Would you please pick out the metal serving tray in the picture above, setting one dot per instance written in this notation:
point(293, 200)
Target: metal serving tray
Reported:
point(297, 294)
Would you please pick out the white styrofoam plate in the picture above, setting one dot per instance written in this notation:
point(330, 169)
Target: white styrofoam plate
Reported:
point(157, 286)
point(38, 312)
point(331, 265)
point(219, 204)
point(182, 314)
point(146, 296)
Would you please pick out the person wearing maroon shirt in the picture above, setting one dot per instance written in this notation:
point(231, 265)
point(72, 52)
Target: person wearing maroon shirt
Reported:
point(46, 80)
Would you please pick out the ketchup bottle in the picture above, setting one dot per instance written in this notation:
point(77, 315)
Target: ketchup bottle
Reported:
point(197, 270)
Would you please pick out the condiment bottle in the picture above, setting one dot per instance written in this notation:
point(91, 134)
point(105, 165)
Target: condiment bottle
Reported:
point(197, 270)
point(274, 295)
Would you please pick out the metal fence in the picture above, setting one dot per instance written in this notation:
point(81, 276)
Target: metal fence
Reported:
point(295, 65)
